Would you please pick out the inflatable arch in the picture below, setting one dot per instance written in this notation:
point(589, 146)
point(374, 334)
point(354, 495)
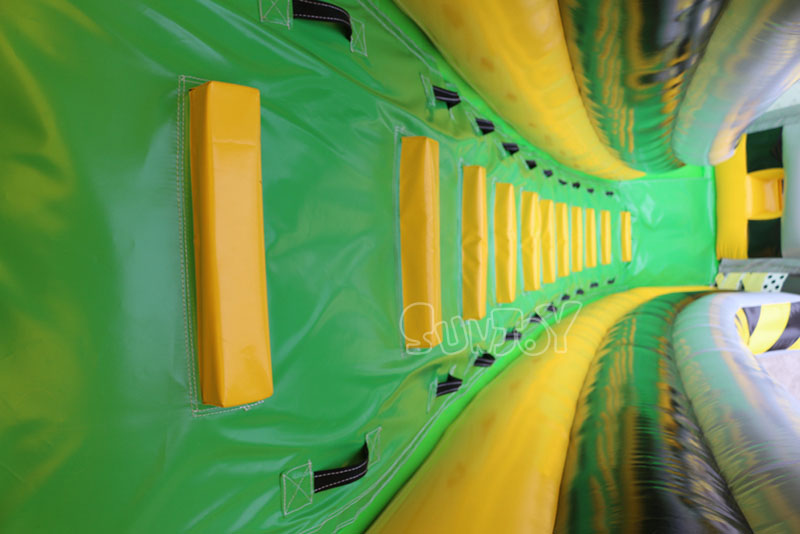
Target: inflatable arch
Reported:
point(412, 266)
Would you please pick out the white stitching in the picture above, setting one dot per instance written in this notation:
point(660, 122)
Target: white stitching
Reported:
point(340, 471)
point(340, 482)
point(342, 10)
point(306, 16)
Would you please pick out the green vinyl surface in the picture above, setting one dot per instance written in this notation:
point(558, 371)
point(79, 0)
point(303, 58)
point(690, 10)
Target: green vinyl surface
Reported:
point(102, 428)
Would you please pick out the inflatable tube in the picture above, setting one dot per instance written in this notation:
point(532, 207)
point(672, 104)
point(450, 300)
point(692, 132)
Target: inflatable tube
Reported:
point(632, 62)
point(750, 61)
point(790, 221)
point(505, 453)
point(636, 454)
point(515, 55)
point(751, 423)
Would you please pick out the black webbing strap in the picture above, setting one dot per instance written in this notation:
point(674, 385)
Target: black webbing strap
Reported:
point(450, 385)
point(513, 335)
point(485, 125)
point(531, 163)
point(333, 478)
point(324, 12)
point(511, 148)
point(548, 173)
point(484, 360)
point(450, 98)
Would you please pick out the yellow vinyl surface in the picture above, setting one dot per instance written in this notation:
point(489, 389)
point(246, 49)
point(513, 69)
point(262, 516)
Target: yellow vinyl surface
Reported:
point(577, 239)
point(625, 236)
point(498, 467)
point(591, 238)
point(605, 237)
point(232, 315)
point(505, 242)
point(732, 205)
point(514, 54)
point(764, 191)
point(548, 213)
point(771, 323)
point(419, 242)
point(474, 243)
point(531, 241)
point(562, 238)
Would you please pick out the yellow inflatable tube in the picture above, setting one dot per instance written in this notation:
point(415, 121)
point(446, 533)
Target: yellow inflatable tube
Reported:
point(514, 54)
point(498, 467)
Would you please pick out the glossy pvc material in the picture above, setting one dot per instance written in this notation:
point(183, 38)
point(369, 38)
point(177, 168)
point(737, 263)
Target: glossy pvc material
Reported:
point(526, 76)
point(548, 211)
point(790, 221)
point(505, 242)
point(734, 84)
point(419, 242)
point(507, 449)
point(562, 238)
point(232, 317)
point(591, 238)
point(637, 459)
point(625, 236)
point(770, 327)
point(605, 237)
point(103, 428)
point(474, 242)
point(531, 241)
point(731, 212)
point(750, 422)
point(633, 61)
point(765, 194)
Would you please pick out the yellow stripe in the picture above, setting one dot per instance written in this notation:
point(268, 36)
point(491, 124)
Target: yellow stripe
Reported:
point(419, 242)
point(506, 451)
point(474, 243)
point(548, 213)
point(742, 326)
point(577, 239)
point(732, 204)
point(531, 241)
point(625, 235)
point(591, 238)
point(505, 242)
point(605, 237)
point(771, 323)
point(562, 238)
point(232, 314)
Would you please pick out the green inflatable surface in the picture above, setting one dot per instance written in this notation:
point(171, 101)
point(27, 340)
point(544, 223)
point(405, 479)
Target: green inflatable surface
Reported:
point(102, 425)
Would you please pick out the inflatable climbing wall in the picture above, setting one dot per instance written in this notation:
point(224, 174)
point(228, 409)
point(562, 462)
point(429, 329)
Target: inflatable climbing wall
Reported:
point(415, 266)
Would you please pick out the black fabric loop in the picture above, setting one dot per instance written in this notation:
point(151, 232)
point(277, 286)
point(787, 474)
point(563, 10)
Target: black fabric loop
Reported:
point(511, 148)
point(576, 185)
point(333, 478)
point(590, 189)
point(535, 318)
point(562, 182)
point(484, 360)
point(611, 281)
point(594, 284)
point(450, 385)
point(323, 12)
point(513, 335)
point(609, 193)
point(447, 96)
point(579, 292)
point(551, 308)
point(548, 173)
point(485, 125)
point(531, 163)
point(565, 297)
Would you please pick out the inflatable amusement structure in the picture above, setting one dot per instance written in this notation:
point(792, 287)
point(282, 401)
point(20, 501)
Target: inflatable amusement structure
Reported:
point(422, 266)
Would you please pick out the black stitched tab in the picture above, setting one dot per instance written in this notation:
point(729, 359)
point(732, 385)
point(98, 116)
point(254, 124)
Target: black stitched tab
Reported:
point(535, 318)
point(609, 193)
point(333, 478)
point(323, 12)
point(594, 284)
point(511, 148)
point(485, 125)
point(450, 98)
point(590, 189)
point(579, 292)
point(450, 385)
point(484, 360)
point(562, 182)
point(513, 335)
point(551, 308)
point(565, 297)
point(576, 185)
point(548, 173)
point(531, 163)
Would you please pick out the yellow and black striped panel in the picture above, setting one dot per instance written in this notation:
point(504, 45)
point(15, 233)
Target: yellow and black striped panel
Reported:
point(770, 326)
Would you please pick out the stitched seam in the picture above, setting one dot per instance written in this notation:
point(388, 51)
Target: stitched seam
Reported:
point(325, 5)
point(339, 472)
point(341, 482)
point(307, 16)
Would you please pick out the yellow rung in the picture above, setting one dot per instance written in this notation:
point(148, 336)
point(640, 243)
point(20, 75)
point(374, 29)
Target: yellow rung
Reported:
point(577, 239)
point(562, 238)
point(591, 238)
point(505, 242)
point(548, 214)
point(625, 236)
point(605, 237)
point(531, 241)
point(474, 243)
